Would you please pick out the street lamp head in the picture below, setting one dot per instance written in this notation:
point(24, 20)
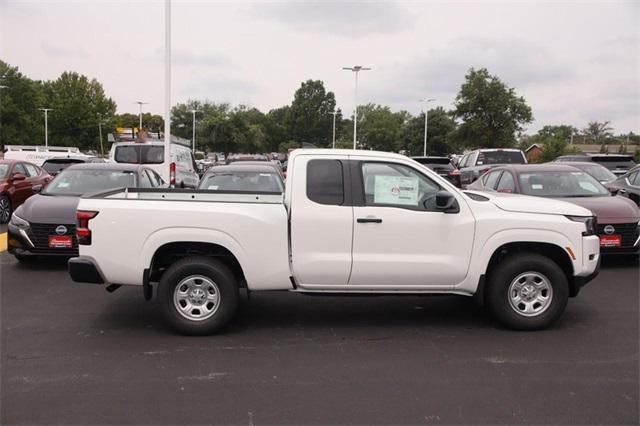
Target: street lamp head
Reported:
point(356, 68)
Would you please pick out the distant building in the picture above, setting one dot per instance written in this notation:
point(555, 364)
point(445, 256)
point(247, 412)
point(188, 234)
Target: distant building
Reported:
point(533, 153)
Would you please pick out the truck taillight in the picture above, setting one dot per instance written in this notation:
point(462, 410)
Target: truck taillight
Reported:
point(172, 174)
point(83, 233)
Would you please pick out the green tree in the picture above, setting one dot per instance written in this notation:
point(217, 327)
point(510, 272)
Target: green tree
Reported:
point(78, 105)
point(275, 128)
point(309, 118)
point(440, 127)
point(379, 128)
point(21, 121)
point(284, 147)
point(492, 114)
point(597, 132)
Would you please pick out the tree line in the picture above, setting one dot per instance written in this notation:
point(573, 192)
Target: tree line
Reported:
point(486, 113)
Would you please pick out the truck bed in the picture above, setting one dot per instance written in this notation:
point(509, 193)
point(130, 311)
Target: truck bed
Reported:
point(252, 226)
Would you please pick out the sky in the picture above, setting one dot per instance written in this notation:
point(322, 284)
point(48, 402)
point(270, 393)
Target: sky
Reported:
point(573, 61)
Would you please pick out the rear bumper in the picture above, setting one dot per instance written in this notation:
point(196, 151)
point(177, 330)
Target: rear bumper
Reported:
point(85, 270)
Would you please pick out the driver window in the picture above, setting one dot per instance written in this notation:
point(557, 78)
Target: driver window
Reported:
point(144, 181)
point(396, 185)
point(634, 179)
point(506, 184)
point(19, 168)
point(491, 179)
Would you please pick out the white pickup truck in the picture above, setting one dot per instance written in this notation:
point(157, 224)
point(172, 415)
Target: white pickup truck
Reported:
point(349, 222)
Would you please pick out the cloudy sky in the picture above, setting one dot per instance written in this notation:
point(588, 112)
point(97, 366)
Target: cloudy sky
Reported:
point(574, 61)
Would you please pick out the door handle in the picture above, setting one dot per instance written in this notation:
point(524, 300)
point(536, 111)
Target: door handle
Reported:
point(369, 220)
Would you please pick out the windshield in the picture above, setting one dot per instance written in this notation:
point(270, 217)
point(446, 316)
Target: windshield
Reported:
point(3, 170)
point(78, 182)
point(560, 184)
point(500, 157)
point(599, 172)
point(53, 167)
point(139, 154)
point(242, 181)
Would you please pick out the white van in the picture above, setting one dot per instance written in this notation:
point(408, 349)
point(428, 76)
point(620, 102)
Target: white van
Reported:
point(38, 154)
point(182, 173)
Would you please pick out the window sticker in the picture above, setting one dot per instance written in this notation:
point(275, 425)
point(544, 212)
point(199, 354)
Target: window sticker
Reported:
point(213, 187)
point(536, 186)
point(396, 190)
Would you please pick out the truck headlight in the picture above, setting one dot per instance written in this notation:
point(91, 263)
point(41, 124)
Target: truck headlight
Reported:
point(589, 222)
point(19, 222)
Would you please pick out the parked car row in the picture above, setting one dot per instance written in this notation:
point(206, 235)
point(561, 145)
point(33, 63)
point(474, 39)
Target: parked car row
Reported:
point(45, 224)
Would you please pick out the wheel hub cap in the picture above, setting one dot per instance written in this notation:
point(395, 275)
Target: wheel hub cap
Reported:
point(530, 294)
point(196, 297)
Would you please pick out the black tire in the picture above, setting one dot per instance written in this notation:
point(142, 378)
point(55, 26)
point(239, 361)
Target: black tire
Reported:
point(25, 258)
point(5, 209)
point(219, 275)
point(498, 296)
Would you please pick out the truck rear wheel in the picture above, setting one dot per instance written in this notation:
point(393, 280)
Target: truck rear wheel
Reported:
point(198, 295)
point(527, 291)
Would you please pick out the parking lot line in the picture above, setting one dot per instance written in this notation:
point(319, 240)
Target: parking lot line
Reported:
point(3, 241)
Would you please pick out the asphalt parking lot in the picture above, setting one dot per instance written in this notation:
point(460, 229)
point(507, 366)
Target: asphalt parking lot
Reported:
point(74, 354)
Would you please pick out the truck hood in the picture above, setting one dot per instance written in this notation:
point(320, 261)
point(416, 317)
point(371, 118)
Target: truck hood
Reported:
point(527, 204)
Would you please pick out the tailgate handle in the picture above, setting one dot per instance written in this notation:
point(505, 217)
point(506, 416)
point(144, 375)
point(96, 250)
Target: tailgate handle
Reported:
point(369, 220)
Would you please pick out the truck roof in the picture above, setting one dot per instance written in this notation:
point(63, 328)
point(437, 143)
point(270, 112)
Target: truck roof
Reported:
point(359, 152)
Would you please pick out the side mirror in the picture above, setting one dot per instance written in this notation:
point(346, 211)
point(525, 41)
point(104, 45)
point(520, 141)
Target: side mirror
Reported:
point(19, 177)
point(446, 202)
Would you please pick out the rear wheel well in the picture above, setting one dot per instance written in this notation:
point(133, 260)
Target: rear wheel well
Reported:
point(551, 251)
point(168, 254)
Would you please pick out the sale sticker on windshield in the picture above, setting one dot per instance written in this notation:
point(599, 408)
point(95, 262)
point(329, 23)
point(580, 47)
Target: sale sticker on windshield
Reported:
point(396, 190)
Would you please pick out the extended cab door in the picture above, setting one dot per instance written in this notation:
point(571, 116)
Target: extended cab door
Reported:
point(400, 238)
point(321, 219)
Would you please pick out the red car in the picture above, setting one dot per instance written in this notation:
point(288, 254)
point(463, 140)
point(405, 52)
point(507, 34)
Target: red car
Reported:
point(19, 180)
point(618, 217)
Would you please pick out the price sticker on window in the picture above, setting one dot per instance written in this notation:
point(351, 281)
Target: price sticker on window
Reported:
point(396, 190)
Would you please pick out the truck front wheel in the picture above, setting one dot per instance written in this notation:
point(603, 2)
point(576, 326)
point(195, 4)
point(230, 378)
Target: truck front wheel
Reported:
point(527, 291)
point(198, 295)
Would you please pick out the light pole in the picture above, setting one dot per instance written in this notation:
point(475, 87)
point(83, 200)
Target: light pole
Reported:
point(356, 69)
point(46, 125)
point(333, 145)
point(140, 103)
point(426, 114)
point(100, 118)
point(167, 95)
point(193, 111)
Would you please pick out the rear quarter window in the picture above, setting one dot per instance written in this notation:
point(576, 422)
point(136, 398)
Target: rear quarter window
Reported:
point(325, 182)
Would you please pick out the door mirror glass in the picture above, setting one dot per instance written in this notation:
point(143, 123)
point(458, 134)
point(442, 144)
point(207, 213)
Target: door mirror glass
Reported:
point(445, 201)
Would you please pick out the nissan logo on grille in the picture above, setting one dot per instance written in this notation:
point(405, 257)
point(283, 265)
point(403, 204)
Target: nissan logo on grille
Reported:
point(609, 229)
point(61, 230)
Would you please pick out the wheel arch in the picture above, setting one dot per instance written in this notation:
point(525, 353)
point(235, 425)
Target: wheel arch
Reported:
point(169, 253)
point(551, 251)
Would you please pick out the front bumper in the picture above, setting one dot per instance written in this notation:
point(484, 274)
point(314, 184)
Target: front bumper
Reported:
point(579, 282)
point(34, 242)
point(85, 270)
